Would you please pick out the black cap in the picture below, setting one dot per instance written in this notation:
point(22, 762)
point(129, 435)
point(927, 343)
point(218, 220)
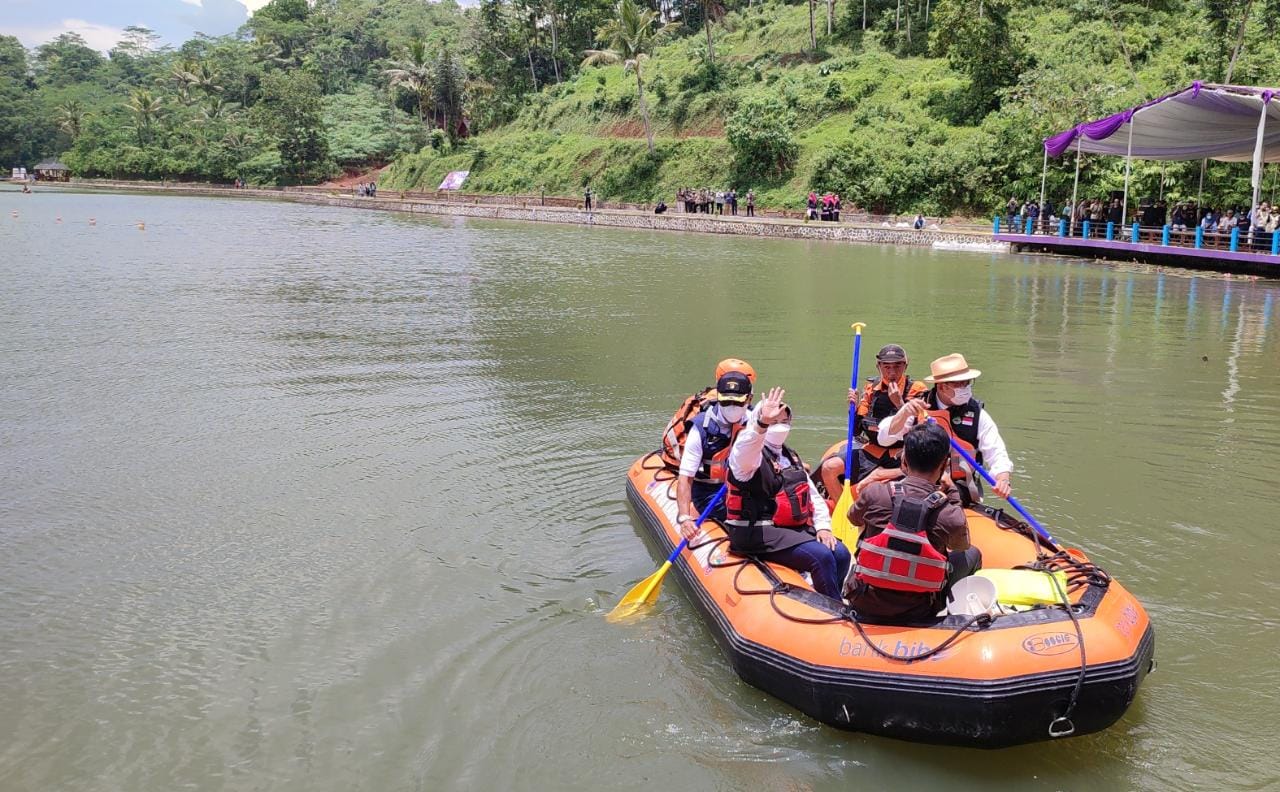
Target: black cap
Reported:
point(891, 353)
point(733, 387)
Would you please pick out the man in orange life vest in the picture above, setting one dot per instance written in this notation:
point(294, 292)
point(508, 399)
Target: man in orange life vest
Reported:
point(773, 510)
point(952, 404)
point(915, 539)
point(703, 463)
point(881, 398)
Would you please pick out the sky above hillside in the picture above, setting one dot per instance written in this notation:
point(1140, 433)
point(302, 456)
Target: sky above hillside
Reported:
point(101, 22)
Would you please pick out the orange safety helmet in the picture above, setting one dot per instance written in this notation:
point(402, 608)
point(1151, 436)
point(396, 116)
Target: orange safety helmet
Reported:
point(734, 364)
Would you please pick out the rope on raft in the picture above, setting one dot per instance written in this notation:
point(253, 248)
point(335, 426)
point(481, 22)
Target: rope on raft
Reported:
point(1080, 574)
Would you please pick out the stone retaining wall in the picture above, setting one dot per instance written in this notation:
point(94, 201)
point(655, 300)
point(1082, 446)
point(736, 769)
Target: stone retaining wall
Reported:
point(783, 229)
point(671, 221)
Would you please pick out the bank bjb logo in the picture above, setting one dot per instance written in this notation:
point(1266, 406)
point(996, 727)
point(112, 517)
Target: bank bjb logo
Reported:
point(1055, 643)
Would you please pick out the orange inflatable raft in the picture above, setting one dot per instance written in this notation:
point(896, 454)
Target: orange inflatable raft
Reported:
point(988, 680)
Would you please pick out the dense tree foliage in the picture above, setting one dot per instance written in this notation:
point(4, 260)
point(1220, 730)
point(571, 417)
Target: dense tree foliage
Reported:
point(900, 105)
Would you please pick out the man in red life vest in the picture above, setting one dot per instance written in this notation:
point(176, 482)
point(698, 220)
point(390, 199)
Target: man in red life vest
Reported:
point(773, 509)
point(915, 539)
point(703, 463)
point(881, 398)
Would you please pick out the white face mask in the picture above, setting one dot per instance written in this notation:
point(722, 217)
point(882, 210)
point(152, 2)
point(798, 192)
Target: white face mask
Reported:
point(961, 395)
point(777, 434)
point(733, 413)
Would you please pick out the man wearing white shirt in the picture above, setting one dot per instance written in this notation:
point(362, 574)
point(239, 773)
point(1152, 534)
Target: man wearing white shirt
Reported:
point(706, 449)
point(773, 510)
point(951, 402)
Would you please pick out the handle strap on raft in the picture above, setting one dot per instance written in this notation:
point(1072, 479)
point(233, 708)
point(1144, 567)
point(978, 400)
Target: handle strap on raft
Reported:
point(1085, 574)
point(1062, 726)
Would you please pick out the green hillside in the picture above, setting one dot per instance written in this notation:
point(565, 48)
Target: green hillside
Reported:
point(936, 106)
point(888, 132)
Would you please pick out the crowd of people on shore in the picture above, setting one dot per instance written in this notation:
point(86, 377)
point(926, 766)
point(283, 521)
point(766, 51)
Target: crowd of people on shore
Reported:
point(1254, 227)
point(714, 202)
point(732, 463)
point(366, 190)
point(823, 207)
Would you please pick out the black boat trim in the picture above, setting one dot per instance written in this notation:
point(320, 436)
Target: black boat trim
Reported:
point(883, 681)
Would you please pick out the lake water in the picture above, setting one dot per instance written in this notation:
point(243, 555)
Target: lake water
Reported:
point(298, 498)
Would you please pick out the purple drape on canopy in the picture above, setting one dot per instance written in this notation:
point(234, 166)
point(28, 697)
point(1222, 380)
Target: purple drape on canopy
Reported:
point(1200, 121)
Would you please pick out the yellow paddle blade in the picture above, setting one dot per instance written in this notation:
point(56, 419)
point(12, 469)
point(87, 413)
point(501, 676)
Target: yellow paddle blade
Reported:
point(642, 595)
point(840, 525)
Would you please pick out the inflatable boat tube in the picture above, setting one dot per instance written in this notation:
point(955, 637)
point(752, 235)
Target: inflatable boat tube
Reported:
point(985, 681)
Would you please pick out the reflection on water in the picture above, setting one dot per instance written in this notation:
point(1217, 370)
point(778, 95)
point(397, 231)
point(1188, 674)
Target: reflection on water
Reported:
point(300, 498)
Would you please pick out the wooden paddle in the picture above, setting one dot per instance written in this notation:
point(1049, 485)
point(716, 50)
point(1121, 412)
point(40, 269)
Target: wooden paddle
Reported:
point(645, 593)
point(840, 525)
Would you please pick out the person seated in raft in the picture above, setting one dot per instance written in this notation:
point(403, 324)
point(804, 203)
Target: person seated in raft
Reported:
point(706, 451)
point(774, 511)
point(951, 403)
point(919, 517)
point(881, 398)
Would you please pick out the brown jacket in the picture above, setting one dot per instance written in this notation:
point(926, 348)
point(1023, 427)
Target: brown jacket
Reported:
point(872, 511)
point(874, 506)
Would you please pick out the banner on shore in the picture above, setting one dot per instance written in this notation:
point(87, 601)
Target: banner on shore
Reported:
point(19, 173)
point(454, 180)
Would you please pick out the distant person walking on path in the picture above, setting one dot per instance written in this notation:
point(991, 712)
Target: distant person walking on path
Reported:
point(751, 203)
point(586, 198)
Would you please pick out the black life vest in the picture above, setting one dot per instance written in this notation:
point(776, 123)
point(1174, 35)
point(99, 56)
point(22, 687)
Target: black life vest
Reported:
point(962, 420)
point(716, 442)
point(773, 510)
point(901, 557)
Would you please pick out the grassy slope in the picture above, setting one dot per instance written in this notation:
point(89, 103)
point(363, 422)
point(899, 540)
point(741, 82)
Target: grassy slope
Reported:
point(887, 114)
point(589, 129)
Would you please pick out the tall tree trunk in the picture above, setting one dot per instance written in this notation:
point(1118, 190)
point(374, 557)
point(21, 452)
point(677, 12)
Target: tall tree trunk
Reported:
point(864, 16)
point(1235, 53)
point(555, 44)
point(908, 27)
point(532, 73)
point(813, 36)
point(897, 18)
point(831, 16)
point(706, 24)
point(644, 107)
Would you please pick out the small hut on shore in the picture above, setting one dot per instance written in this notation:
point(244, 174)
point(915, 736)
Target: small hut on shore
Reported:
point(52, 170)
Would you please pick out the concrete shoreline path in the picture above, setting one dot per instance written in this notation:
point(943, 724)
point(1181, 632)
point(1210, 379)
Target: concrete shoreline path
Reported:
point(768, 227)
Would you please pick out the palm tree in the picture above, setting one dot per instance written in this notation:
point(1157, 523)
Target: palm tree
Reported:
point(218, 108)
point(414, 72)
point(239, 142)
point(203, 77)
point(146, 110)
point(630, 36)
point(71, 117)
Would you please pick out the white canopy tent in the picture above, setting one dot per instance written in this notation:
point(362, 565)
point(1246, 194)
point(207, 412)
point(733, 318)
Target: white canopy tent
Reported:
point(1228, 123)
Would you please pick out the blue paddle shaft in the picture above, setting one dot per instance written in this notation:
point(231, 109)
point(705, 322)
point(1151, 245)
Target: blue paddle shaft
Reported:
point(991, 480)
point(701, 519)
point(853, 409)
